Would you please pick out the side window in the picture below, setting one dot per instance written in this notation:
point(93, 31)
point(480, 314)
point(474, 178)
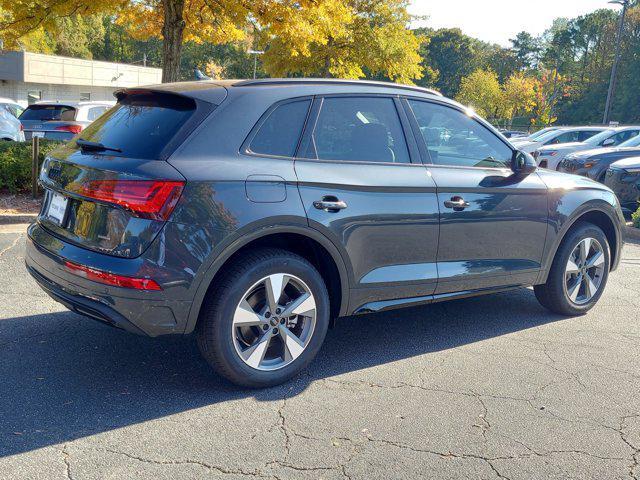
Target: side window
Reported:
point(454, 138)
point(586, 135)
point(95, 112)
point(280, 132)
point(360, 129)
point(624, 136)
point(564, 138)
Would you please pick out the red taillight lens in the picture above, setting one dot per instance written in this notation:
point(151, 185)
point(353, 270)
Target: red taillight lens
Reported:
point(110, 278)
point(75, 129)
point(154, 199)
point(21, 128)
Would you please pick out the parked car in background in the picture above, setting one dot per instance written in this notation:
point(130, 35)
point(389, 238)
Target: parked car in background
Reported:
point(513, 133)
point(623, 177)
point(534, 135)
point(594, 163)
point(253, 213)
point(10, 127)
point(560, 135)
point(60, 120)
point(14, 108)
point(551, 156)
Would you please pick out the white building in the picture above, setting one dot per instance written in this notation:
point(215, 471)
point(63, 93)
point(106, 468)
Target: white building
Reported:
point(28, 77)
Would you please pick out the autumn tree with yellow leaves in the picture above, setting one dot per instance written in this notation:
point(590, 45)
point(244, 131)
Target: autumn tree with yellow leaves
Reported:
point(304, 37)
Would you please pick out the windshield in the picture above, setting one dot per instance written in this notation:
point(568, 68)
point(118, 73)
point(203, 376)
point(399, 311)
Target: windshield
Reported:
point(140, 125)
point(549, 136)
point(632, 142)
point(599, 138)
point(540, 133)
point(46, 113)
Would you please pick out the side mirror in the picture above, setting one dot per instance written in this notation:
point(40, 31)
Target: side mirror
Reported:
point(523, 163)
point(608, 142)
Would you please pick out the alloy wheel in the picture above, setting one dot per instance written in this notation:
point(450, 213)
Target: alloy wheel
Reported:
point(274, 322)
point(584, 271)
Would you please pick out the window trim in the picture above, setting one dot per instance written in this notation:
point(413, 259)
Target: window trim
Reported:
point(306, 140)
point(246, 144)
point(426, 158)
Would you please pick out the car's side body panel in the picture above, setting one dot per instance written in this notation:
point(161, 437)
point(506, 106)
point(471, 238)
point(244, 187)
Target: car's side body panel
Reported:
point(499, 239)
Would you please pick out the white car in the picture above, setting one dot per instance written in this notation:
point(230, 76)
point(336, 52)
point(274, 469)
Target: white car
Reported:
point(549, 157)
point(560, 135)
point(13, 107)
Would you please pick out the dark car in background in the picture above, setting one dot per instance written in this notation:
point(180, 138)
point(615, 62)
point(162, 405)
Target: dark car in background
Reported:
point(60, 120)
point(256, 212)
point(623, 177)
point(594, 163)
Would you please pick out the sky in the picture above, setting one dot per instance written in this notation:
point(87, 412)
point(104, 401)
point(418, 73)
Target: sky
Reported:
point(497, 21)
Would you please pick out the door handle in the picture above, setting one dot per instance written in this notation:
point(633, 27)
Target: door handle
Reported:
point(457, 203)
point(330, 203)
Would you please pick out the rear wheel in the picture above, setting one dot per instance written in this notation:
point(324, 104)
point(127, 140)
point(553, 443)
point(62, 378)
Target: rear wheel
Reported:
point(579, 272)
point(266, 319)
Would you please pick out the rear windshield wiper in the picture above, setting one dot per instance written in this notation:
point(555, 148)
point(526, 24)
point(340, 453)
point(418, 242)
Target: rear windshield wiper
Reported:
point(95, 146)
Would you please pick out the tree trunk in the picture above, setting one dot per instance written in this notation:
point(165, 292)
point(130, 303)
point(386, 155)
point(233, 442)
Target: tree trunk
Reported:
point(172, 33)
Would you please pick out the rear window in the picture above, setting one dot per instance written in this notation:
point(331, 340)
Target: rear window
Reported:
point(141, 125)
point(47, 113)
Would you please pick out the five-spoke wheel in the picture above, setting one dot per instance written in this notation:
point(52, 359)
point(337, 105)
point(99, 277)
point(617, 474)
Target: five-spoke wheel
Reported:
point(274, 321)
point(265, 319)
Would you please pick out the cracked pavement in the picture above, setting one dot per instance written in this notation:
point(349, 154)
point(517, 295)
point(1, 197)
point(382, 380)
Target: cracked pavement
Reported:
point(486, 388)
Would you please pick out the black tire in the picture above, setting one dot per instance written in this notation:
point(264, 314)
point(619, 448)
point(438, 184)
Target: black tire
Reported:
point(553, 294)
point(215, 331)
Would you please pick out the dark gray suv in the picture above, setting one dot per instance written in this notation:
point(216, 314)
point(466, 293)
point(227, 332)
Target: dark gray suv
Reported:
point(255, 212)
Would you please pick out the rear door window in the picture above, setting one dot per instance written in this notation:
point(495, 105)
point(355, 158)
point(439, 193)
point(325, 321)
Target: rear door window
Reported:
point(47, 113)
point(359, 129)
point(280, 132)
point(141, 125)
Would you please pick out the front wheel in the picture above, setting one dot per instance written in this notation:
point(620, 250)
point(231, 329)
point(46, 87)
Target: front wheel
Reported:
point(265, 320)
point(579, 272)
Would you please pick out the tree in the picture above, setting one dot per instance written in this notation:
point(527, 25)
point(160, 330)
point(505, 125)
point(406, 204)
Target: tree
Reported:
point(519, 95)
point(303, 22)
point(451, 55)
point(374, 41)
point(481, 91)
point(550, 88)
point(526, 48)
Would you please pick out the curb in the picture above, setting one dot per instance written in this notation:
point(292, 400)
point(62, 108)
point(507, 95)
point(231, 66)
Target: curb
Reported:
point(632, 233)
point(10, 219)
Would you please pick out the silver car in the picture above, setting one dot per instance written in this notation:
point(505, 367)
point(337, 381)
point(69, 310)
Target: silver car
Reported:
point(10, 126)
point(60, 120)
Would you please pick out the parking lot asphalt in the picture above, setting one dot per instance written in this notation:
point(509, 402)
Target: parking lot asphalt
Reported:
point(491, 387)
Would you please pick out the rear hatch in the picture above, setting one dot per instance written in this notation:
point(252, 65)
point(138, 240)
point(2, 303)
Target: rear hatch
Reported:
point(50, 120)
point(111, 189)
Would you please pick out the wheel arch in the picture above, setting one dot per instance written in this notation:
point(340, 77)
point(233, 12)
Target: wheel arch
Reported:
point(304, 241)
point(604, 218)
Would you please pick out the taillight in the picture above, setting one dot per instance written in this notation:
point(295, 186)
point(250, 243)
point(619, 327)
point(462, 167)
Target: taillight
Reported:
point(21, 127)
point(111, 278)
point(75, 129)
point(153, 199)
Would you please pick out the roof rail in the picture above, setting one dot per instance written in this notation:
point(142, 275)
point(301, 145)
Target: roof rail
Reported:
point(336, 81)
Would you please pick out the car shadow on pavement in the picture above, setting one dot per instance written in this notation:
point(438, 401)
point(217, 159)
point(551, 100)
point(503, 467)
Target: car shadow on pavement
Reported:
point(64, 377)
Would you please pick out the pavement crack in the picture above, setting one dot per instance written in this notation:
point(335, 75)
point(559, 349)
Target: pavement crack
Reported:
point(67, 463)
point(208, 466)
point(13, 244)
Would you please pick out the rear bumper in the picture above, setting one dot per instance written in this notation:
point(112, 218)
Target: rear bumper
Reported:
point(150, 313)
point(50, 135)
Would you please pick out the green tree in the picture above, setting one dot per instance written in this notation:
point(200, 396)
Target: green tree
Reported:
point(482, 92)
